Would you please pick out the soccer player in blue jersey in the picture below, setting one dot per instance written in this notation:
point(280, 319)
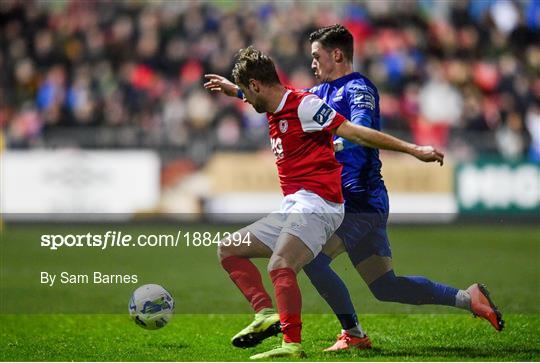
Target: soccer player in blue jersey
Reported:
point(363, 232)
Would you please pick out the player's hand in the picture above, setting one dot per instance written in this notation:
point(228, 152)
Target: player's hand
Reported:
point(429, 154)
point(218, 83)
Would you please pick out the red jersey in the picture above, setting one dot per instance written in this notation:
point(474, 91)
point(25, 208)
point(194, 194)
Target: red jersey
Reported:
point(301, 139)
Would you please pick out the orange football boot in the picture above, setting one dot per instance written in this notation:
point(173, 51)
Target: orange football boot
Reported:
point(482, 306)
point(347, 341)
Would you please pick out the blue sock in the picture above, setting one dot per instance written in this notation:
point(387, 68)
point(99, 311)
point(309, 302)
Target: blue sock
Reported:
point(416, 290)
point(332, 289)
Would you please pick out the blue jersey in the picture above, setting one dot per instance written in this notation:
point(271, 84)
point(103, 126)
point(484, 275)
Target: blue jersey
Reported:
point(356, 98)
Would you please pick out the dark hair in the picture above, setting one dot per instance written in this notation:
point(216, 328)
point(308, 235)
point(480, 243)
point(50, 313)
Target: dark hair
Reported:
point(254, 64)
point(335, 36)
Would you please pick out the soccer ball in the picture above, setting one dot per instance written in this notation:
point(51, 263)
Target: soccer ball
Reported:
point(151, 306)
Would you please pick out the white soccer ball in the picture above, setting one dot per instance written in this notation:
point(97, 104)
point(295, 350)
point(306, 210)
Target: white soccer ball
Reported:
point(151, 306)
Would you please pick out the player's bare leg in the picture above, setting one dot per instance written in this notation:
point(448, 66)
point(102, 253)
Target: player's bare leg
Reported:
point(333, 247)
point(291, 253)
point(289, 257)
point(234, 258)
point(254, 248)
point(374, 267)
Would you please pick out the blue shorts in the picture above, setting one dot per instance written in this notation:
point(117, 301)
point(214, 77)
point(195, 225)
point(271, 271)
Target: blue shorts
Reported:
point(363, 230)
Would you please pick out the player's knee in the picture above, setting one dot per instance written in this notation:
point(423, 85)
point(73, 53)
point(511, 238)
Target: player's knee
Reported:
point(224, 250)
point(383, 288)
point(277, 261)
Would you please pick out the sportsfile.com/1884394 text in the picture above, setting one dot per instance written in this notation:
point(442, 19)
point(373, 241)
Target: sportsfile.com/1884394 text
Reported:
point(112, 239)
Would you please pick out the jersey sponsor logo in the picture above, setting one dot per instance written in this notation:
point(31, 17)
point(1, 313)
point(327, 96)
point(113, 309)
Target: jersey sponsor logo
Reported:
point(356, 88)
point(322, 116)
point(364, 100)
point(277, 147)
point(339, 95)
point(283, 126)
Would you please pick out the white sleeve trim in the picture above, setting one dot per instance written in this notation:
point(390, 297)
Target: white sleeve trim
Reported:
point(314, 114)
point(282, 102)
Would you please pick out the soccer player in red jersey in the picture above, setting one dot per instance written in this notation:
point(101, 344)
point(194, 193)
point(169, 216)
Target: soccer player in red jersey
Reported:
point(363, 231)
point(301, 131)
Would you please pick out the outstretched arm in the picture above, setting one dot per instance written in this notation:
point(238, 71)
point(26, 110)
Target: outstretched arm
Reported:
point(219, 83)
point(368, 137)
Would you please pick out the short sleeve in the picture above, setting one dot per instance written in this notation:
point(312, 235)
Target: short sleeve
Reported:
point(316, 115)
point(362, 103)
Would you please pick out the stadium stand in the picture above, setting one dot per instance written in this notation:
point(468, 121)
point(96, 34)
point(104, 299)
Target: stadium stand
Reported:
point(101, 74)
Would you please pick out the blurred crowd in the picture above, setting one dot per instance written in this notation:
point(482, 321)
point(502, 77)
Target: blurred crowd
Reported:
point(463, 75)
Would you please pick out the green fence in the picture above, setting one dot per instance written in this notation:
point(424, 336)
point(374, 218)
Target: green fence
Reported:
point(495, 186)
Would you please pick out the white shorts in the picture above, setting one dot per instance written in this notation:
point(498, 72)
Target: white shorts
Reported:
point(303, 214)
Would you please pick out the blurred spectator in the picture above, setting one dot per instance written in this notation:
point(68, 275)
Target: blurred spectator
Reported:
point(454, 73)
point(441, 106)
point(532, 121)
point(505, 15)
point(510, 139)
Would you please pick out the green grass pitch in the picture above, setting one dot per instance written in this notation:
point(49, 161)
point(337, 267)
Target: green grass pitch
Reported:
point(90, 323)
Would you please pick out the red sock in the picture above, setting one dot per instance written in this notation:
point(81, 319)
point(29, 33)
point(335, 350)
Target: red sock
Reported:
point(289, 303)
point(248, 279)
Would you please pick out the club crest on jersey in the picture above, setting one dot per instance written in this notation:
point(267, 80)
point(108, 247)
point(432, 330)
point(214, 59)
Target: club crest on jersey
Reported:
point(322, 116)
point(283, 126)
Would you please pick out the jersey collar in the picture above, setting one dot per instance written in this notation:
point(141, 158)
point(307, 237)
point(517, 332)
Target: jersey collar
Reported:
point(345, 79)
point(282, 103)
